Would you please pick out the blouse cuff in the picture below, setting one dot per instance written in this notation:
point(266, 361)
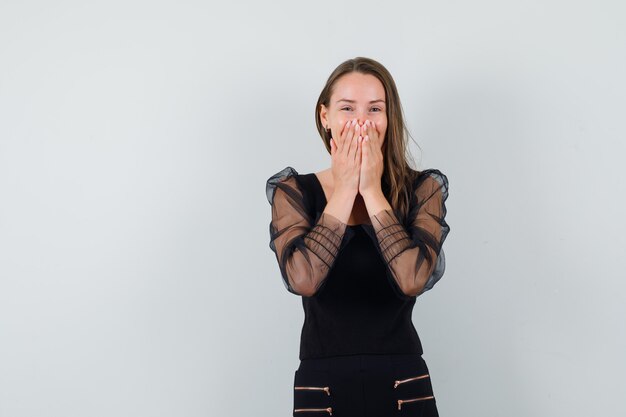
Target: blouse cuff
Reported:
point(324, 239)
point(391, 235)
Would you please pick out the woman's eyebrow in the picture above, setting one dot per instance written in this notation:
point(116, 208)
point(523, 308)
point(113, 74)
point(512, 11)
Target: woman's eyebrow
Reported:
point(353, 101)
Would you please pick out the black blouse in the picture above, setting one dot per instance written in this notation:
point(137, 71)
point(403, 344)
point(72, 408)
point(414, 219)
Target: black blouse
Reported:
point(358, 283)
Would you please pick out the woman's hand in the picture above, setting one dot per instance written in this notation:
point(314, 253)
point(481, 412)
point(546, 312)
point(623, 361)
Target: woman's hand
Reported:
point(346, 158)
point(372, 163)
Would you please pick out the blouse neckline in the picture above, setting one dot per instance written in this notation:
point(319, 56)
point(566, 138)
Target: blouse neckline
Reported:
point(321, 192)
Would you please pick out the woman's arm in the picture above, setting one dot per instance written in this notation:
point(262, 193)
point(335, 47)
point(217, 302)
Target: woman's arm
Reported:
point(305, 251)
point(414, 255)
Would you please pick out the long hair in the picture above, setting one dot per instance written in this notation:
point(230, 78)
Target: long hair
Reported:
point(398, 175)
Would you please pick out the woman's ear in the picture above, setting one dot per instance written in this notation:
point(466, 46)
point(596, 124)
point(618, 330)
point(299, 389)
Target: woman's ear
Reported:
point(323, 115)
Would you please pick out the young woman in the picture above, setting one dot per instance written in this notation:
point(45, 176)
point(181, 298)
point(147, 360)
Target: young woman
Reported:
point(359, 242)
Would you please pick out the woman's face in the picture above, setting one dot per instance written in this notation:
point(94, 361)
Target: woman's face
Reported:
point(356, 96)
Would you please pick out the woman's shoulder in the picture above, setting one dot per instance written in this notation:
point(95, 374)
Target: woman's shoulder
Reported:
point(300, 190)
point(290, 180)
point(289, 172)
point(430, 181)
point(430, 174)
point(285, 173)
point(284, 176)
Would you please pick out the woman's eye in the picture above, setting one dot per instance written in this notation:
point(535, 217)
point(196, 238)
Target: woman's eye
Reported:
point(374, 108)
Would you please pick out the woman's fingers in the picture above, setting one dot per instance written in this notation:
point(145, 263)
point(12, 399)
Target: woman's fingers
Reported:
point(368, 130)
point(353, 142)
point(342, 138)
point(339, 140)
point(350, 142)
point(374, 133)
point(357, 139)
point(358, 150)
point(344, 133)
point(349, 136)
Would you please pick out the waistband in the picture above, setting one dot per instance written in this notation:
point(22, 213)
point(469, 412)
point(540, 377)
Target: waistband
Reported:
point(359, 362)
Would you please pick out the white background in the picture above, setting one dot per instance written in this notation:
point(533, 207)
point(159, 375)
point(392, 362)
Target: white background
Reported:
point(135, 141)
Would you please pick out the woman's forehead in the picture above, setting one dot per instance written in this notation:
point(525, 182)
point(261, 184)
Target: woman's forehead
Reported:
point(358, 87)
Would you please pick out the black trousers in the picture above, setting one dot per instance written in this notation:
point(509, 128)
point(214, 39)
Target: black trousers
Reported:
point(364, 386)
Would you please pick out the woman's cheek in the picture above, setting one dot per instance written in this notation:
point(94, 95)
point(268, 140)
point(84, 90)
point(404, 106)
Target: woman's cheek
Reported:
point(342, 126)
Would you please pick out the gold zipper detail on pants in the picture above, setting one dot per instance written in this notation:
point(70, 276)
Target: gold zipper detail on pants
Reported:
point(329, 410)
point(400, 402)
point(409, 379)
point(327, 389)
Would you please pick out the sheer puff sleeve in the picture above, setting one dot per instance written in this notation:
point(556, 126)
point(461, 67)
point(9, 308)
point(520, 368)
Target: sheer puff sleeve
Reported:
point(414, 253)
point(305, 250)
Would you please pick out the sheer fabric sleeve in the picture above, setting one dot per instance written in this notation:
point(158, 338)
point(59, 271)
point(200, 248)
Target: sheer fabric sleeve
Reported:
point(414, 254)
point(305, 250)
